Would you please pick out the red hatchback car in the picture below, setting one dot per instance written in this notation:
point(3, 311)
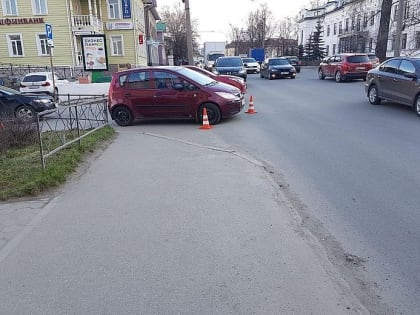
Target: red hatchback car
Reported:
point(170, 92)
point(228, 79)
point(344, 67)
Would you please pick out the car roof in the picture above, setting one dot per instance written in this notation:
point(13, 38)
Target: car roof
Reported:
point(173, 68)
point(38, 73)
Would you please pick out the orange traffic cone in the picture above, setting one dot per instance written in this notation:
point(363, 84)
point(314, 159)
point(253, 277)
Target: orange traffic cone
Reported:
point(251, 109)
point(206, 124)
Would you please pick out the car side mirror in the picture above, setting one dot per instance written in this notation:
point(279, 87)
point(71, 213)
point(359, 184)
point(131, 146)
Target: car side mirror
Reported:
point(178, 86)
point(412, 76)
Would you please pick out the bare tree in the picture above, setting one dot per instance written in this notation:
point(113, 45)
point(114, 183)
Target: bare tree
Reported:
point(260, 26)
point(383, 32)
point(174, 17)
point(238, 38)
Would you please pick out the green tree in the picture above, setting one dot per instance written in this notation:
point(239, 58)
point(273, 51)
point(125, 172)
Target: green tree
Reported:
point(318, 49)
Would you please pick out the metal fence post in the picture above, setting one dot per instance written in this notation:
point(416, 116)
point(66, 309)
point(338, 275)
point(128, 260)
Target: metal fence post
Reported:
point(41, 151)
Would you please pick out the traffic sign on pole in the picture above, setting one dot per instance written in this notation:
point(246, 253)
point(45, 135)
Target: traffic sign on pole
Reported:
point(49, 33)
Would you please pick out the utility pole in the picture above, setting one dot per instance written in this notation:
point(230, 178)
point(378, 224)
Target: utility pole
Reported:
point(398, 32)
point(189, 32)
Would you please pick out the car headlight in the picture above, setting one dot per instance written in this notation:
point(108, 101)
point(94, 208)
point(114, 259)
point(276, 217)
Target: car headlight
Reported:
point(228, 96)
point(242, 71)
point(42, 101)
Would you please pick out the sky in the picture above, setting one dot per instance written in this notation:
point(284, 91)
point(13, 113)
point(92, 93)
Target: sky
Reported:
point(214, 16)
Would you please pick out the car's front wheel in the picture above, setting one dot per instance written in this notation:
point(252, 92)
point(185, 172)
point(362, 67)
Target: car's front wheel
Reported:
point(338, 77)
point(123, 116)
point(213, 113)
point(373, 95)
point(321, 74)
point(417, 105)
point(25, 113)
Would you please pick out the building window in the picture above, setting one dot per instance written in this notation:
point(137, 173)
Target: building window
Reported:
point(328, 30)
point(15, 45)
point(41, 43)
point(333, 52)
point(393, 42)
point(395, 12)
point(372, 18)
point(365, 20)
point(358, 24)
point(340, 28)
point(117, 47)
point(404, 41)
point(406, 10)
point(10, 7)
point(40, 7)
point(327, 50)
point(370, 44)
point(114, 9)
point(417, 40)
point(335, 28)
point(353, 23)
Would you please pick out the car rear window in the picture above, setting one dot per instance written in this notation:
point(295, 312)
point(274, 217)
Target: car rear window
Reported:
point(247, 60)
point(358, 59)
point(35, 78)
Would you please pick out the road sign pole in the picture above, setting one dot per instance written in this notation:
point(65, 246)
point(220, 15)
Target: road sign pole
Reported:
point(50, 45)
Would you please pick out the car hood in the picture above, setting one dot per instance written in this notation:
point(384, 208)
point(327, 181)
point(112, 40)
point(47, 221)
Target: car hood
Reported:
point(228, 69)
point(223, 87)
point(280, 67)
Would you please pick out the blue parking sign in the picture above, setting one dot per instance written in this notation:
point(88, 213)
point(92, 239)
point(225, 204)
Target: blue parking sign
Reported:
point(48, 31)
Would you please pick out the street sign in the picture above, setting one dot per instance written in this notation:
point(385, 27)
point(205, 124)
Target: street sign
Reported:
point(49, 33)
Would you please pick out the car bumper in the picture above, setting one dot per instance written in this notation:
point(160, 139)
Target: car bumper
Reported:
point(355, 75)
point(278, 74)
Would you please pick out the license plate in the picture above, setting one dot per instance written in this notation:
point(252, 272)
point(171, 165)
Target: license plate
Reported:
point(34, 86)
point(285, 73)
point(360, 68)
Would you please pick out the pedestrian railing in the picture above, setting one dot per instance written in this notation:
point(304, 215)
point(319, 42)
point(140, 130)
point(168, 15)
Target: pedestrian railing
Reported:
point(74, 119)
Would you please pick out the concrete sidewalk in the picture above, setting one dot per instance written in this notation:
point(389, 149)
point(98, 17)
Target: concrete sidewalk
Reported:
point(166, 223)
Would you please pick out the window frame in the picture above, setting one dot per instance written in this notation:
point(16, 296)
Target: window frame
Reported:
point(119, 7)
point(111, 43)
point(34, 7)
point(4, 5)
point(39, 45)
point(10, 46)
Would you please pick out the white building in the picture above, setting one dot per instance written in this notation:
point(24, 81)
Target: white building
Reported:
point(352, 26)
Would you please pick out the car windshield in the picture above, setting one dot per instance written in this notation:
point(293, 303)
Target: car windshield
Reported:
point(278, 62)
point(196, 76)
point(358, 59)
point(229, 62)
point(35, 78)
point(248, 60)
point(292, 60)
point(213, 57)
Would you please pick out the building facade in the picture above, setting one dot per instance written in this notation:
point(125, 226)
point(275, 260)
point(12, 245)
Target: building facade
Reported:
point(352, 26)
point(128, 26)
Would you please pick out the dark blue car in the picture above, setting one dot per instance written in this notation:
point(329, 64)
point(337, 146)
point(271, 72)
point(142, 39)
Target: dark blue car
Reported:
point(231, 66)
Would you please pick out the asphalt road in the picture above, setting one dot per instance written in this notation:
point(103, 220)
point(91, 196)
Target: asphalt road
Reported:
point(352, 171)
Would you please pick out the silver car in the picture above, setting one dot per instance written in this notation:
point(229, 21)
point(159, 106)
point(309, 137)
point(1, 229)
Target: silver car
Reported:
point(396, 80)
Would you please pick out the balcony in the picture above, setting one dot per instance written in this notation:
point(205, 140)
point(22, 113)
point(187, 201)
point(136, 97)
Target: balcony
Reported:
point(86, 24)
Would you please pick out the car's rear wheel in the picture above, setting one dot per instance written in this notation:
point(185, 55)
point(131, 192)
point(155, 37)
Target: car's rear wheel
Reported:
point(321, 74)
point(123, 116)
point(338, 77)
point(213, 113)
point(25, 113)
point(373, 95)
point(417, 105)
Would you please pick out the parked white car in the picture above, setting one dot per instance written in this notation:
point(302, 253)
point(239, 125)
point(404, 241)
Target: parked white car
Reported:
point(251, 65)
point(42, 82)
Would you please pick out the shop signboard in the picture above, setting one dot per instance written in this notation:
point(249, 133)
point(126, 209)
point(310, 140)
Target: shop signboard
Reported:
point(94, 52)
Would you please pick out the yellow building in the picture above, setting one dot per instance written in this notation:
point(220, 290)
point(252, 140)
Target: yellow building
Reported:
point(121, 23)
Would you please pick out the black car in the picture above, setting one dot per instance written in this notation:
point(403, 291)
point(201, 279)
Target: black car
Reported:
point(396, 80)
point(23, 106)
point(294, 61)
point(231, 66)
point(278, 67)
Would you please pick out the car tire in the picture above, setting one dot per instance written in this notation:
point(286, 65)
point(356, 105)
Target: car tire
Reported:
point(213, 113)
point(417, 105)
point(25, 113)
point(338, 77)
point(373, 95)
point(122, 116)
point(321, 74)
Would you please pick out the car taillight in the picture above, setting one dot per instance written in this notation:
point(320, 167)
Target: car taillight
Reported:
point(46, 84)
point(345, 67)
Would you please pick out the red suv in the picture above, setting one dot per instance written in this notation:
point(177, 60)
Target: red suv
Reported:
point(170, 92)
point(344, 67)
